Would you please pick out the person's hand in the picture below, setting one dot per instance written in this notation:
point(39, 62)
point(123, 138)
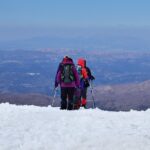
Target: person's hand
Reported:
point(86, 83)
point(56, 84)
point(78, 86)
point(92, 78)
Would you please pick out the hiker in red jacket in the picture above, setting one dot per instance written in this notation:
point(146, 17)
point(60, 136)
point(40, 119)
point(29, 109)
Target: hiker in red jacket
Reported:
point(67, 77)
point(85, 76)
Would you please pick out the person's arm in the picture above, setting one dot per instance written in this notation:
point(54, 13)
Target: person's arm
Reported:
point(91, 77)
point(56, 77)
point(77, 81)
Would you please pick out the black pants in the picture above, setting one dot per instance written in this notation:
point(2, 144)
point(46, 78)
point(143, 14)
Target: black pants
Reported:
point(67, 94)
point(84, 93)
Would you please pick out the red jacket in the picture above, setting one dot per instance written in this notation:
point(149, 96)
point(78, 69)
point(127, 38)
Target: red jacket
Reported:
point(82, 62)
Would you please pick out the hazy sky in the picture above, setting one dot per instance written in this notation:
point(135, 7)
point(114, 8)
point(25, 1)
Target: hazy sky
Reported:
point(32, 15)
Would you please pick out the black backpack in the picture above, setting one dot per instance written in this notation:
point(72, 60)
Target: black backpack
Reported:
point(67, 75)
point(91, 77)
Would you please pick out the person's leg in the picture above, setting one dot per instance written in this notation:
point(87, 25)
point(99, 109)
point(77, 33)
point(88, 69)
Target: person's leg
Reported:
point(77, 98)
point(63, 98)
point(84, 95)
point(70, 93)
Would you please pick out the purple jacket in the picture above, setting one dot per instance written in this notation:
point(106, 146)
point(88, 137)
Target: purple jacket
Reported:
point(75, 83)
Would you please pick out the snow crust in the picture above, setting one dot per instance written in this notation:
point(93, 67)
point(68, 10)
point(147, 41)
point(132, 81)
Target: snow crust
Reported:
point(47, 128)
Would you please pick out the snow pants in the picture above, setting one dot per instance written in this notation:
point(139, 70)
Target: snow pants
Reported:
point(83, 96)
point(67, 94)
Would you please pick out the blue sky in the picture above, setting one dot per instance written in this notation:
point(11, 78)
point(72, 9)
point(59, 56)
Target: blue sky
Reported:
point(16, 15)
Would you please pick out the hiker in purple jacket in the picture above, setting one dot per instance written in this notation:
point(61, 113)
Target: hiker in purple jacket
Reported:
point(67, 77)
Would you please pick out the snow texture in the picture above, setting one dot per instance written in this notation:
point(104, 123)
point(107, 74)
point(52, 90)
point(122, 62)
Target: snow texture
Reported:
point(47, 128)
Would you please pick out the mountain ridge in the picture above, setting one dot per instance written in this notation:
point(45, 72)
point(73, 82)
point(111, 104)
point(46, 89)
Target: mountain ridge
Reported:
point(122, 97)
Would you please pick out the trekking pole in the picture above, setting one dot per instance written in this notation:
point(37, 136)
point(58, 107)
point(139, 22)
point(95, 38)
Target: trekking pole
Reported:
point(91, 89)
point(54, 96)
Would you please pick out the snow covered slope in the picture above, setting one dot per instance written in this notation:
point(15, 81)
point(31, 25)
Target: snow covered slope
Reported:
point(36, 128)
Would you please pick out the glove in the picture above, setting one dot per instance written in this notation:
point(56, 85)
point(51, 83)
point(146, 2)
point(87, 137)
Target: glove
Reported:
point(86, 83)
point(92, 78)
point(77, 86)
point(56, 84)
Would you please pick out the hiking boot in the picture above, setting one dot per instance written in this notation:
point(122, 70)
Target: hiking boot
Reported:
point(70, 107)
point(63, 108)
point(84, 106)
point(63, 105)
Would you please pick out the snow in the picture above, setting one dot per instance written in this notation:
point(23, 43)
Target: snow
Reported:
point(47, 128)
point(32, 74)
point(10, 62)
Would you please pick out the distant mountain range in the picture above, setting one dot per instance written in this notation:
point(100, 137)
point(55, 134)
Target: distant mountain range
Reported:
point(111, 98)
point(89, 39)
point(122, 77)
point(34, 71)
point(124, 97)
